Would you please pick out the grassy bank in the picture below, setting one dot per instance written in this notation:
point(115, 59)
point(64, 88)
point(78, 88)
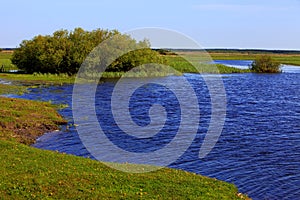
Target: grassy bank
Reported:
point(30, 173)
point(181, 65)
point(23, 121)
point(38, 79)
point(12, 89)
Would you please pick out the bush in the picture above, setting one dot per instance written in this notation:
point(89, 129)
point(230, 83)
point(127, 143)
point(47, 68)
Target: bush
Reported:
point(265, 64)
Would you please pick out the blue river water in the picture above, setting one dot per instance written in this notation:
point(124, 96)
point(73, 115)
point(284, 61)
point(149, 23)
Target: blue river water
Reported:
point(259, 147)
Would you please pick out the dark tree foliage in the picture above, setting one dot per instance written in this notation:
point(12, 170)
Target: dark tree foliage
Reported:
point(265, 64)
point(64, 52)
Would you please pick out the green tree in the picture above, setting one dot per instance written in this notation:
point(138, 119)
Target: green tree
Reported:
point(265, 64)
point(64, 52)
point(137, 58)
point(61, 52)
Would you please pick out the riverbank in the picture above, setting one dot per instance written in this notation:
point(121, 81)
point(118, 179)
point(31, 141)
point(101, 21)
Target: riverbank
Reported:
point(286, 59)
point(23, 120)
point(178, 63)
point(179, 66)
point(27, 172)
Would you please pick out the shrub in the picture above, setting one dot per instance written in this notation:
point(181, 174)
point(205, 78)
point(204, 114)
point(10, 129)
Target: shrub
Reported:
point(265, 64)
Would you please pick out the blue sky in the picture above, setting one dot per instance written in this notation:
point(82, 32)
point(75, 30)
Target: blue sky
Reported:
point(267, 24)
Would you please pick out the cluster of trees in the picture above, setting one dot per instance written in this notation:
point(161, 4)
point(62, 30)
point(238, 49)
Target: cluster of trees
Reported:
point(265, 64)
point(64, 52)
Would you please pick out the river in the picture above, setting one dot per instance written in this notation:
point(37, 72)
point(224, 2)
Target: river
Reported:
point(259, 147)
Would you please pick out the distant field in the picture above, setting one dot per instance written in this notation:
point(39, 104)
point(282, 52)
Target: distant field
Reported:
point(5, 60)
point(283, 58)
point(289, 59)
point(199, 65)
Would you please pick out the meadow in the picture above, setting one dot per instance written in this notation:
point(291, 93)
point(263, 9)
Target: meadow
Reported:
point(288, 58)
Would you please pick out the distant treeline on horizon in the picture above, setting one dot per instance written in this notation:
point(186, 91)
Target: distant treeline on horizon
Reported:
point(253, 51)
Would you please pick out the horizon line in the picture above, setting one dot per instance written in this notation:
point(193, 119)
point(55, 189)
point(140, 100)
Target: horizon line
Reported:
point(208, 48)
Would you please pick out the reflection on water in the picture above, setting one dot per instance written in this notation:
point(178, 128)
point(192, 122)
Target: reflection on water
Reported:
point(259, 148)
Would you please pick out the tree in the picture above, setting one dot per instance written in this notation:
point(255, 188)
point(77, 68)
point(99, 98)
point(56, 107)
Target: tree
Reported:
point(61, 52)
point(265, 64)
point(64, 52)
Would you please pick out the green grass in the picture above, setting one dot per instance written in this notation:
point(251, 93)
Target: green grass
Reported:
point(5, 54)
point(38, 78)
point(32, 173)
point(181, 65)
point(289, 59)
point(283, 58)
point(5, 61)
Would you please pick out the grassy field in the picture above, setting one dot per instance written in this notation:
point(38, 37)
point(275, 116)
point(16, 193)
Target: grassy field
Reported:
point(5, 60)
point(283, 58)
point(30, 173)
point(181, 65)
point(289, 59)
